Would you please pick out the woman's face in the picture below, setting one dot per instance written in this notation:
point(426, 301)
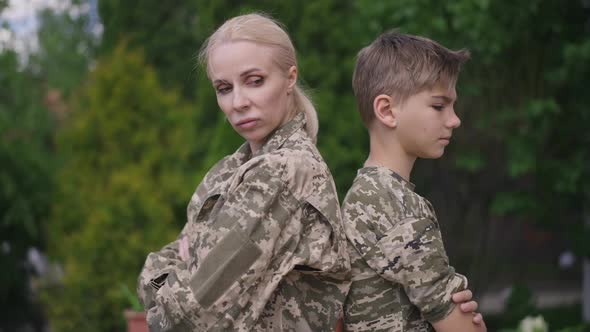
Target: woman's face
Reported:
point(252, 91)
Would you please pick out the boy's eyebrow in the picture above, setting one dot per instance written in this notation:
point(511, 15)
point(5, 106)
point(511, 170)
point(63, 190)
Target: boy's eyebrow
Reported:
point(445, 98)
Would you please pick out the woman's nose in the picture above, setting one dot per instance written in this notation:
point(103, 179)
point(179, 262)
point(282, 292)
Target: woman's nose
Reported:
point(240, 100)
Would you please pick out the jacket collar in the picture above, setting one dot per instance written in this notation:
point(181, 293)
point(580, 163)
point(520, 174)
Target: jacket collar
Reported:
point(279, 137)
point(276, 139)
point(274, 142)
point(389, 173)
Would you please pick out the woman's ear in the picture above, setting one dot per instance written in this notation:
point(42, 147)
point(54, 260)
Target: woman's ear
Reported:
point(384, 110)
point(292, 78)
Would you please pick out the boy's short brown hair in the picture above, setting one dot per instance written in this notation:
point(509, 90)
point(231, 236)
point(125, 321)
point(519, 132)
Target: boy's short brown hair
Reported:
point(401, 65)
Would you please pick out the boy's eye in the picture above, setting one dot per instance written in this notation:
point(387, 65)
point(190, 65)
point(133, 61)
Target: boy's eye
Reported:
point(438, 107)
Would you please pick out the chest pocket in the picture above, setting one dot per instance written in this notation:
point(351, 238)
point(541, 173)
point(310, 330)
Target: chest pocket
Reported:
point(208, 205)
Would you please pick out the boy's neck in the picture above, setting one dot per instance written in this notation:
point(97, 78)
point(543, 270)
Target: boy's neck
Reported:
point(387, 153)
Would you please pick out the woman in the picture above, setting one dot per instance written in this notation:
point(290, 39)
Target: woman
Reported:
point(263, 248)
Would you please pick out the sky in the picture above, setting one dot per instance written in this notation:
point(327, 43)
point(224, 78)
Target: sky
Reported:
point(21, 18)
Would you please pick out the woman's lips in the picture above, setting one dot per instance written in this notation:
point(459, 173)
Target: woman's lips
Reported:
point(247, 123)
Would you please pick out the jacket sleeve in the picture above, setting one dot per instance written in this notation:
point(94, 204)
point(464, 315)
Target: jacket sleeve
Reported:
point(320, 280)
point(412, 254)
point(157, 267)
point(239, 252)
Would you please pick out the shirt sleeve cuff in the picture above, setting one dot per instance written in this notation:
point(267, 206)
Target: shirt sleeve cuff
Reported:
point(457, 283)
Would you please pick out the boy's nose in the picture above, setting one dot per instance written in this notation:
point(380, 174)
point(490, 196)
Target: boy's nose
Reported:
point(453, 121)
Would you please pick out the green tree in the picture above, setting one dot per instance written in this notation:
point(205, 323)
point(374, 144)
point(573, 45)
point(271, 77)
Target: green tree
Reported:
point(25, 185)
point(66, 50)
point(31, 104)
point(169, 34)
point(127, 146)
point(166, 31)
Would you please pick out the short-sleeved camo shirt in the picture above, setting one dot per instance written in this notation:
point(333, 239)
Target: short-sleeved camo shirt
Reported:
point(401, 274)
point(267, 244)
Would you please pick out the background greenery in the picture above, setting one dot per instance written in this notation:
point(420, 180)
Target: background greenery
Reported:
point(103, 139)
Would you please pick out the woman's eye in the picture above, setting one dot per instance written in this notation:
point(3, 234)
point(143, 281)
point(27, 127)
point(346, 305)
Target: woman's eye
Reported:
point(223, 89)
point(255, 80)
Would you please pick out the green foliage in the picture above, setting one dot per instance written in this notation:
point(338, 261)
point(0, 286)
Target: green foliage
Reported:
point(66, 49)
point(510, 202)
point(27, 125)
point(25, 183)
point(576, 328)
point(471, 162)
point(520, 303)
point(167, 31)
point(562, 319)
point(132, 299)
point(127, 150)
point(580, 233)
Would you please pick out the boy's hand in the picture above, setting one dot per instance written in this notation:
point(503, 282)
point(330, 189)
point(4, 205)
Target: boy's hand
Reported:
point(463, 299)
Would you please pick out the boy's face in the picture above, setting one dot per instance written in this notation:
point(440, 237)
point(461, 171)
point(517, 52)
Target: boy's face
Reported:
point(425, 122)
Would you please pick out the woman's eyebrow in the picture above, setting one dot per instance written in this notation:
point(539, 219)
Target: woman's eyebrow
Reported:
point(245, 73)
point(249, 71)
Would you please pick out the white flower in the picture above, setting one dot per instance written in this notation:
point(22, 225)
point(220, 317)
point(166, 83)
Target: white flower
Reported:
point(533, 324)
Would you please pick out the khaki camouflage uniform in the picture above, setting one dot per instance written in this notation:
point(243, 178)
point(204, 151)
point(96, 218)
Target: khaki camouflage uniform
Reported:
point(268, 251)
point(401, 274)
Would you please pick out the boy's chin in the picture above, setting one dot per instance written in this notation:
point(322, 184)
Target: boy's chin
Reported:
point(432, 154)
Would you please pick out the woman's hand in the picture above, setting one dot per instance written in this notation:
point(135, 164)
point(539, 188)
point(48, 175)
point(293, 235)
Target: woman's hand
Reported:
point(183, 249)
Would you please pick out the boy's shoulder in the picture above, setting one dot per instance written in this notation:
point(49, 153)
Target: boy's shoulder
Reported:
point(383, 193)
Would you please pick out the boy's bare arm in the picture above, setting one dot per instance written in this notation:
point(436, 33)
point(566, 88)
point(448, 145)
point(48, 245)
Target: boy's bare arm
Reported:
point(458, 321)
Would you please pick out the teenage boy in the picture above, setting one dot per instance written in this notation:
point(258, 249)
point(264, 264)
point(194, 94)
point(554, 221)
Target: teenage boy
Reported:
point(402, 280)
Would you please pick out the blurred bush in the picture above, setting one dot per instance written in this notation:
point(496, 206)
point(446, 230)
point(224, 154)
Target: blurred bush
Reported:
point(126, 151)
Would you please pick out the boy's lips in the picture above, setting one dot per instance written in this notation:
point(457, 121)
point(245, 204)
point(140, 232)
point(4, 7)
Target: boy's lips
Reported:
point(445, 140)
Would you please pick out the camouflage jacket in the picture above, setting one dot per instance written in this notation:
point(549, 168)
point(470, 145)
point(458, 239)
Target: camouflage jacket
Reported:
point(268, 251)
point(401, 275)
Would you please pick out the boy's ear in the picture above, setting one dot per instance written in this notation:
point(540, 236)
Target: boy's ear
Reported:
point(383, 107)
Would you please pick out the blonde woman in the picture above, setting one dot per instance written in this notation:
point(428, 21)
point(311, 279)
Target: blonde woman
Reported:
point(263, 248)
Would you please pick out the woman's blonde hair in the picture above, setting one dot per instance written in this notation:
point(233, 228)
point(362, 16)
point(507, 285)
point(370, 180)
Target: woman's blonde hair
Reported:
point(262, 29)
